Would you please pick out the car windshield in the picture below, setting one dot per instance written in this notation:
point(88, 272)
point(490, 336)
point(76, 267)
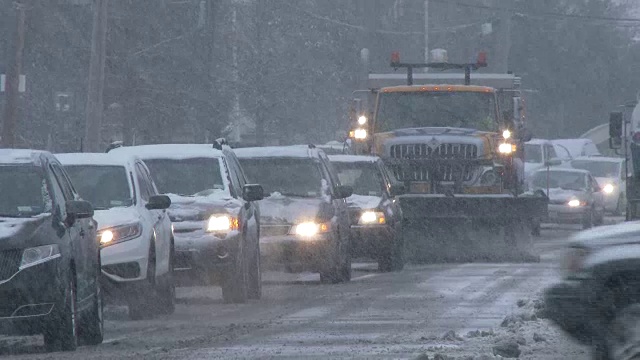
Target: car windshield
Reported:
point(364, 178)
point(466, 109)
point(104, 187)
point(567, 180)
point(606, 169)
point(186, 177)
point(286, 176)
point(23, 191)
point(532, 153)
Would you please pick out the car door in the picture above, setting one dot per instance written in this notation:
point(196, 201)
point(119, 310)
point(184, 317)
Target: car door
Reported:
point(79, 235)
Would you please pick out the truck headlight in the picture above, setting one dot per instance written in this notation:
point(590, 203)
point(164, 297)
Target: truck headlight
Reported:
point(506, 148)
point(310, 228)
point(118, 234)
point(608, 189)
point(370, 217)
point(506, 134)
point(362, 120)
point(360, 134)
point(37, 255)
point(222, 223)
point(576, 203)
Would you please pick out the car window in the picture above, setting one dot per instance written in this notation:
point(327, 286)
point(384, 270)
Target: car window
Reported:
point(24, 191)
point(233, 177)
point(105, 186)
point(151, 186)
point(194, 176)
point(67, 190)
point(364, 177)
point(143, 185)
point(59, 205)
point(296, 177)
point(533, 153)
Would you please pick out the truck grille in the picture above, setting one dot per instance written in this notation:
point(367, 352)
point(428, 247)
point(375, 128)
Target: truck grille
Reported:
point(9, 263)
point(442, 151)
point(447, 151)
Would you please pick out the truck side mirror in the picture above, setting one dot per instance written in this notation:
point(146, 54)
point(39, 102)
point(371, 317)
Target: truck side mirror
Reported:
point(615, 130)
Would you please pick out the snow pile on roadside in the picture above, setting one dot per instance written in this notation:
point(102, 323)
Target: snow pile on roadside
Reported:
point(525, 334)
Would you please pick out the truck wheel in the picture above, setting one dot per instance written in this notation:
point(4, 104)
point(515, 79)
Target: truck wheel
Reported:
point(234, 281)
point(587, 221)
point(92, 326)
point(393, 260)
point(139, 307)
point(61, 333)
point(255, 276)
point(623, 335)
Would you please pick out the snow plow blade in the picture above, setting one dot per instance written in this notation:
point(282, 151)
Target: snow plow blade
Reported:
point(470, 228)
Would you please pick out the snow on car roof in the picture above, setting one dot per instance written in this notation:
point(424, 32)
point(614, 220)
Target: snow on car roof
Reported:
point(297, 151)
point(99, 159)
point(600, 158)
point(538, 141)
point(563, 169)
point(353, 158)
point(169, 151)
point(21, 156)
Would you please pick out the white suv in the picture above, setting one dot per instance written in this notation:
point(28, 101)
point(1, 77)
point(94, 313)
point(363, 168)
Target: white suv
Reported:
point(134, 229)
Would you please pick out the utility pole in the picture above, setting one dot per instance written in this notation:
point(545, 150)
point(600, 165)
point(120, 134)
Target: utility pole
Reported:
point(426, 33)
point(95, 105)
point(13, 83)
point(504, 40)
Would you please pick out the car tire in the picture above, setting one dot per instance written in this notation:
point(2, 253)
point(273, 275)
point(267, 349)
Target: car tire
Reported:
point(393, 259)
point(139, 301)
point(91, 330)
point(61, 334)
point(167, 288)
point(255, 275)
point(619, 204)
point(587, 221)
point(234, 281)
point(623, 335)
point(339, 270)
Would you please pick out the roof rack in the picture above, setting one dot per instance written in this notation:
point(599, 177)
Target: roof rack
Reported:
point(114, 145)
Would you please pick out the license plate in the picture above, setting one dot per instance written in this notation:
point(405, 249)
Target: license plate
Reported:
point(419, 188)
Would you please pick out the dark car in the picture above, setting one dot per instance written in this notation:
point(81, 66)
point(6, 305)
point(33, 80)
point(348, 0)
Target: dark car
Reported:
point(49, 254)
point(214, 213)
point(304, 220)
point(376, 217)
point(598, 300)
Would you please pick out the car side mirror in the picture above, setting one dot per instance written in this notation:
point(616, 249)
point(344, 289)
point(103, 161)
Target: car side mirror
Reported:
point(343, 192)
point(553, 162)
point(397, 189)
point(158, 202)
point(252, 192)
point(78, 209)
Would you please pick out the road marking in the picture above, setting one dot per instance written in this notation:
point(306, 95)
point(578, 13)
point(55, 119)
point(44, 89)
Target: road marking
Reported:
point(362, 277)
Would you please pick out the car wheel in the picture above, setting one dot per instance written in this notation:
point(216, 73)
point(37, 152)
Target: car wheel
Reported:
point(393, 259)
point(255, 276)
point(92, 327)
point(587, 221)
point(234, 282)
point(340, 269)
point(167, 288)
point(623, 335)
point(140, 306)
point(62, 333)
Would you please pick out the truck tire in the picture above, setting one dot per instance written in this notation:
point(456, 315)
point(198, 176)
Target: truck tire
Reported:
point(61, 334)
point(235, 280)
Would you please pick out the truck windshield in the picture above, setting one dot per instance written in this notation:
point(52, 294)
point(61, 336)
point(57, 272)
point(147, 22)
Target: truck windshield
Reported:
point(464, 109)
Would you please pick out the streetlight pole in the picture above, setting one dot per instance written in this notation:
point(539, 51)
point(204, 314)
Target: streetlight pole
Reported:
point(95, 105)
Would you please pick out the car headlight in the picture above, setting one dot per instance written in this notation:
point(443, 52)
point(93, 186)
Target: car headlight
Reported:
point(37, 255)
point(118, 234)
point(222, 223)
point(608, 189)
point(574, 260)
point(576, 203)
point(310, 228)
point(370, 217)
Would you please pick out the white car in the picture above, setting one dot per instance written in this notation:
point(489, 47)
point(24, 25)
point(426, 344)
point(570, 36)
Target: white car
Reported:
point(134, 229)
point(578, 147)
point(609, 172)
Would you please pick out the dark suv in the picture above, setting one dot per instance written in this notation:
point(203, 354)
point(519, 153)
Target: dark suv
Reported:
point(304, 220)
point(214, 213)
point(49, 255)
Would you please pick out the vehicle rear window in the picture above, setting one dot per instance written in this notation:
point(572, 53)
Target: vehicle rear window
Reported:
point(286, 176)
point(23, 191)
point(364, 178)
point(103, 186)
point(186, 177)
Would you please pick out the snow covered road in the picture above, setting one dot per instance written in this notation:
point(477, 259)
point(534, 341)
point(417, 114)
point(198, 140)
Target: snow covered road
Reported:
point(392, 315)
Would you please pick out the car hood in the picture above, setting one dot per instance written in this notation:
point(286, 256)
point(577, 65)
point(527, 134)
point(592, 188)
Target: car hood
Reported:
point(197, 208)
point(18, 230)
point(115, 217)
point(356, 201)
point(623, 233)
point(280, 209)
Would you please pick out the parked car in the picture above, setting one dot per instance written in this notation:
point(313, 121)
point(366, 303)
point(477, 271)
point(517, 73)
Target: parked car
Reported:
point(578, 147)
point(304, 220)
point(376, 216)
point(597, 302)
point(574, 196)
point(610, 174)
point(538, 153)
point(134, 229)
point(214, 212)
point(49, 256)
